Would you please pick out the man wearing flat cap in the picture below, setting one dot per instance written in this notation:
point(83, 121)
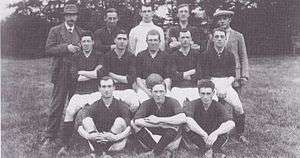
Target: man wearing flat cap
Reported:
point(235, 44)
point(62, 42)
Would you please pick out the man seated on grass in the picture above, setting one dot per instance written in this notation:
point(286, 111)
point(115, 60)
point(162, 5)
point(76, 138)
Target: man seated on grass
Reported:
point(218, 65)
point(159, 115)
point(208, 122)
point(120, 65)
point(183, 70)
point(105, 123)
point(151, 60)
point(86, 67)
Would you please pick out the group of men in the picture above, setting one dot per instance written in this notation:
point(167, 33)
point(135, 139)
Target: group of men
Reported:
point(158, 89)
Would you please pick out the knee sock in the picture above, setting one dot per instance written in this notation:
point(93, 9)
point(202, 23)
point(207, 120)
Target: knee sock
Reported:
point(239, 120)
point(144, 136)
point(67, 132)
point(165, 140)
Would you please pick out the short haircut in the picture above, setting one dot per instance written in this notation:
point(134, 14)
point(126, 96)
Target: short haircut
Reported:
point(183, 5)
point(121, 32)
point(154, 79)
point(219, 29)
point(105, 78)
point(87, 33)
point(205, 83)
point(147, 5)
point(153, 32)
point(111, 10)
point(184, 31)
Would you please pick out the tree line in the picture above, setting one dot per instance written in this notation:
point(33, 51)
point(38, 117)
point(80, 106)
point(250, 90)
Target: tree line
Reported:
point(266, 25)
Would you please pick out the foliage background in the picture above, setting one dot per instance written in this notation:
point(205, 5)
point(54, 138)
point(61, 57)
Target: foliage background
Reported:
point(266, 24)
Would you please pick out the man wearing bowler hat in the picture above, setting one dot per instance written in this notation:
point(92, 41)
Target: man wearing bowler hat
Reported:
point(62, 42)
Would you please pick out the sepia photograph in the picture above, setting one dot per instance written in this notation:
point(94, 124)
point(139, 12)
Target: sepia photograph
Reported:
point(150, 78)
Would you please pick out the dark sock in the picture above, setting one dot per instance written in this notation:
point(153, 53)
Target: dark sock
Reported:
point(239, 120)
point(67, 132)
point(165, 140)
point(144, 136)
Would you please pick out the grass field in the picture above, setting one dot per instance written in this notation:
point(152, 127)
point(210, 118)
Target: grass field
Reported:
point(271, 101)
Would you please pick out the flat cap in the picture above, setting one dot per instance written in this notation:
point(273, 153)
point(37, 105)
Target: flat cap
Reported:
point(70, 9)
point(220, 12)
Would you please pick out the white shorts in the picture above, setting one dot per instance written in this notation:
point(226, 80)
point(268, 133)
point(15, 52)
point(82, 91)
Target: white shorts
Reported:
point(223, 85)
point(79, 100)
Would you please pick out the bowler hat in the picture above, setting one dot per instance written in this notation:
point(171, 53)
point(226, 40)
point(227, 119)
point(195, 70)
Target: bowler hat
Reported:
point(220, 12)
point(70, 9)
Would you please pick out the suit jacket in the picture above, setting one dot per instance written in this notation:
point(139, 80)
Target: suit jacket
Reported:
point(56, 46)
point(236, 45)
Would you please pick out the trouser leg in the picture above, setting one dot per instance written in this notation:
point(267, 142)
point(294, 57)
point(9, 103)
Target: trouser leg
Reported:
point(59, 94)
point(67, 132)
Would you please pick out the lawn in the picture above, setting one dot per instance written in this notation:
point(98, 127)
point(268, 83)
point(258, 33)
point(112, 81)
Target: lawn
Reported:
point(271, 101)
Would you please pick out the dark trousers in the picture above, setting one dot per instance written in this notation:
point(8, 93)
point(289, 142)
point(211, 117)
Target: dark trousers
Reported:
point(63, 89)
point(198, 140)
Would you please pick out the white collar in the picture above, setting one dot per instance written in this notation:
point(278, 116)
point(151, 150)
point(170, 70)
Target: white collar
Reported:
point(142, 23)
point(183, 52)
point(68, 27)
point(87, 55)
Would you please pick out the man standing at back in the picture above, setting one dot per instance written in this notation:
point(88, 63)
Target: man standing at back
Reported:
point(137, 35)
point(198, 37)
point(63, 41)
point(104, 37)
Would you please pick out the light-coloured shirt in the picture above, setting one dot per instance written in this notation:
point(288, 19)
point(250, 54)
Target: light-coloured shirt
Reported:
point(137, 37)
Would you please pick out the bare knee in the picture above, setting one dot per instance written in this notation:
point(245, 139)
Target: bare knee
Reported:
point(119, 125)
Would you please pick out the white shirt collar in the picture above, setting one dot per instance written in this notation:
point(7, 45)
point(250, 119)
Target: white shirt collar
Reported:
point(146, 24)
point(68, 27)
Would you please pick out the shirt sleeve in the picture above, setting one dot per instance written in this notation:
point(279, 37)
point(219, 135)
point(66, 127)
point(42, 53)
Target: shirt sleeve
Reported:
point(175, 75)
point(223, 113)
point(176, 106)
point(89, 111)
point(189, 109)
point(142, 111)
point(124, 112)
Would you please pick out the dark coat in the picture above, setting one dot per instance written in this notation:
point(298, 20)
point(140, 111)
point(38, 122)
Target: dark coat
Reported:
point(56, 46)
